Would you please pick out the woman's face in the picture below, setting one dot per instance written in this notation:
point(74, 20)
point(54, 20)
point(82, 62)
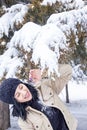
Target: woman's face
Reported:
point(22, 93)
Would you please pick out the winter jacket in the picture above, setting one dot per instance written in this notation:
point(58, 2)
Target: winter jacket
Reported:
point(54, 115)
point(48, 91)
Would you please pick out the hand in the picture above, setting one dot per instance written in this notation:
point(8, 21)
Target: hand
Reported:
point(35, 75)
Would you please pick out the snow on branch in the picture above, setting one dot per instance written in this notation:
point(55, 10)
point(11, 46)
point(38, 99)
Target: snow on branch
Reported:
point(44, 41)
point(25, 37)
point(68, 4)
point(68, 21)
point(15, 14)
point(9, 63)
point(47, 45)
point(78, 73)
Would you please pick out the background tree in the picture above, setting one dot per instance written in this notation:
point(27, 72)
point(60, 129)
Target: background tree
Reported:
point(4, 116)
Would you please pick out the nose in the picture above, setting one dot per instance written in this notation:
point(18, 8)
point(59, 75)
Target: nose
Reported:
point(23, 92)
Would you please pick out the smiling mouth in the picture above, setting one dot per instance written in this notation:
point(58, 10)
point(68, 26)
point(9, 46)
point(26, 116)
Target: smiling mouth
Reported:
point(27, 95)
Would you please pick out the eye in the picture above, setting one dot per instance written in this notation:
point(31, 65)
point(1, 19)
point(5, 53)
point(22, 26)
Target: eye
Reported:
point(20, 86)
point(17, 95)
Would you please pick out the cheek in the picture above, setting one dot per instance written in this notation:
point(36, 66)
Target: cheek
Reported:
point(30, 95)
point(20, 99)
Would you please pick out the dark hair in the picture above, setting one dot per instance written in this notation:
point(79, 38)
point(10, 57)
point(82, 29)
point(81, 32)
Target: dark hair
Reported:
point(19, 109)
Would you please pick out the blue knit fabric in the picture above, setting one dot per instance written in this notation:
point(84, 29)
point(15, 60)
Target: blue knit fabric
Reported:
point(7, 90)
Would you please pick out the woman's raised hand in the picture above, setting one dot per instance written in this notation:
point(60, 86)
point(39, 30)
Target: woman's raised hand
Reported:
point(35, 75)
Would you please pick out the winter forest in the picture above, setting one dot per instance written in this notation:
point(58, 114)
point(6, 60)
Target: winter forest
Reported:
point(42, 34)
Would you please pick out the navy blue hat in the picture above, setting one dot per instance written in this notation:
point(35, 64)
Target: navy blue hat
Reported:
point(7, 90)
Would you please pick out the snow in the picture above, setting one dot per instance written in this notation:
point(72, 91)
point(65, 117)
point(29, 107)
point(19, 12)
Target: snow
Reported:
point(45, 42)
point(25, 36)
point(86, 44)
point(9, 62)
point(67, 3)
point(77, 90)
point(77, 72)
point(77, 105)
point(68, 20)
point(13, 15)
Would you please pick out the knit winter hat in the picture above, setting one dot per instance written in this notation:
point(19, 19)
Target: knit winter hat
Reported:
point(7, 90)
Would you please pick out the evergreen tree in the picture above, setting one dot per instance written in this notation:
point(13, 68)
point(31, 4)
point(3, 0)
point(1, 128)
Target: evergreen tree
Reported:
point(39, 13)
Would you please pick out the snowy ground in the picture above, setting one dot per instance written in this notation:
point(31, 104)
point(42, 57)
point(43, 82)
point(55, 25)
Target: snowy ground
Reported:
point(77, 105)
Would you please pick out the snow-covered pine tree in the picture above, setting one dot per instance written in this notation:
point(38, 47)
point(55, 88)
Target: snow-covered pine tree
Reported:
point(30, 28)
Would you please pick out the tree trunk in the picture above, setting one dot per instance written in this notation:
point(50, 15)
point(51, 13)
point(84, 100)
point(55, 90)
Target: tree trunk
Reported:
point(4, 116)
point(67, 94)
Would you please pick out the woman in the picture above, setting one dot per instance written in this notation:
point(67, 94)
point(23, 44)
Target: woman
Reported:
point(39, 107)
